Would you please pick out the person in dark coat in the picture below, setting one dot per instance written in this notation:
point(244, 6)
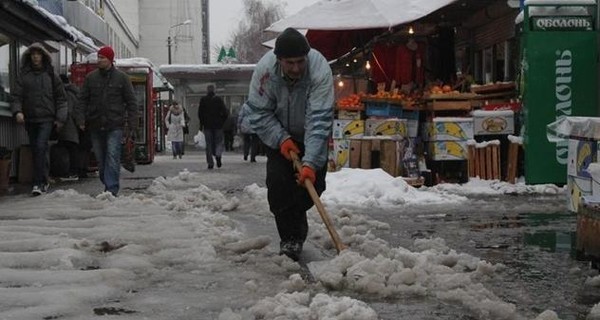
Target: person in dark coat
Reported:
point(39, 102)
point(251, 141)
point(212, 114)
point(109, 103)
point(69, 135)
point(229, 131)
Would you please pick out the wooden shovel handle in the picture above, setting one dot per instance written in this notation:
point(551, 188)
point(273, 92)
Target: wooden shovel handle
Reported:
point(339, 246)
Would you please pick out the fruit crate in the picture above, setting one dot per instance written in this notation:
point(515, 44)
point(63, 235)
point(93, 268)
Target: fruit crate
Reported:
point(383, 109)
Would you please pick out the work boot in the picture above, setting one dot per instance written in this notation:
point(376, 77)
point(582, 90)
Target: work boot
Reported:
point(219, 162)
point(292, 249)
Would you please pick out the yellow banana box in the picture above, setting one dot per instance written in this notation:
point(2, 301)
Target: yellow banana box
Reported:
point(577, 187)
point(448, 129)
point(448, 150)
point(493, 122)
point(344, 129)
point(581, 154)
point(386, 127)
point(341, 153)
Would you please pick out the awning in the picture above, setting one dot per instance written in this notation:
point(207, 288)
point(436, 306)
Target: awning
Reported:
point(21, 20)
point(359, 14)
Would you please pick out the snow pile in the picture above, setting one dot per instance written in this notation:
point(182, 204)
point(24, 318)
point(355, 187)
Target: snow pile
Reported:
point(477, 186)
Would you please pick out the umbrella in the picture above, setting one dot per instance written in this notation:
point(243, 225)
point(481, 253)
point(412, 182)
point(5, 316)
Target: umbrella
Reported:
point(359, 14)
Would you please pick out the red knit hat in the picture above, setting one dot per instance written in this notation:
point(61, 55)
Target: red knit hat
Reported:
point(107, 52)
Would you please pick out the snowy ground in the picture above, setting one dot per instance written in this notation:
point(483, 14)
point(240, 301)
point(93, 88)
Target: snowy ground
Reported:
point(180, 250)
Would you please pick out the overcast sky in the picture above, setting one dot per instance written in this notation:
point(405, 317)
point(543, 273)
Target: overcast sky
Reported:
point(225, 15)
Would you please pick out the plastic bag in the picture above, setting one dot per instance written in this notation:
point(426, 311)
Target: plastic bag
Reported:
point(199, 140)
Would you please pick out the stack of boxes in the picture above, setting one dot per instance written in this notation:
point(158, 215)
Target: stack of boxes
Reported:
point(343, 131)
point(377, 142)
point(579, 181)
point(447, 138)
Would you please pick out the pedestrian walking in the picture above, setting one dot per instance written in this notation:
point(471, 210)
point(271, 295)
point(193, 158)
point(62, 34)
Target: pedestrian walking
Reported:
point(249, 137)
point(186, 128)
point(67, 146)
point(175, 122)
point(39, 102)
point(110, 107)
point(212, 114)
point(229, 131)
point(291, 109)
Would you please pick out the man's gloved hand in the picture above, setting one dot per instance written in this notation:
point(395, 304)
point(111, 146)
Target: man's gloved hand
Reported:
point(307, 173)
point(286, 146)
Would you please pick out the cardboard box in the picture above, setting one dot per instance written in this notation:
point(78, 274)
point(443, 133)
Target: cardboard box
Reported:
point(412, 123)
point(344, 129)
point(384, 153)
point(412, 127)
point(350, 115)
point(577, 187)
point(448, 129)
point(386, 127)
point(439, 105)
point(341, 153)
point(581, 154)
point(448, 150)
point(493, 122)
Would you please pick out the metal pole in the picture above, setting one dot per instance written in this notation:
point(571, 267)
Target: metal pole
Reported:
point(169, 49)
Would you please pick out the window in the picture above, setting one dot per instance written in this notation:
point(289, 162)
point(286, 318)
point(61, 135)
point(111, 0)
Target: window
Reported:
point(4, 76)
point(488, 65)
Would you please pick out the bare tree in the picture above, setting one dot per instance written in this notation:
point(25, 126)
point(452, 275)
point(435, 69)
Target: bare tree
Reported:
point(247, 39)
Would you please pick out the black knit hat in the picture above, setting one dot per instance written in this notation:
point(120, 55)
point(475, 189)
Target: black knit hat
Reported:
point(290, 44)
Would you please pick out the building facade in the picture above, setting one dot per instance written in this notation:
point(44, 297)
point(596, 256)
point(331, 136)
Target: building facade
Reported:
point(72, 29)
point(180, 21)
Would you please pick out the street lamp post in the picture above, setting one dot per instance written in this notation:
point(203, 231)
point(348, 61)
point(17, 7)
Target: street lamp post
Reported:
point(170, 39)
point(170, 43)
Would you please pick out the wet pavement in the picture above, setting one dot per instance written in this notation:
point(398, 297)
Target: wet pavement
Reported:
point(533, 236)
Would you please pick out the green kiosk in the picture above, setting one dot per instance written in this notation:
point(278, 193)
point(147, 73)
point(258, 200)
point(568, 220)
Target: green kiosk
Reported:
point(559, 78)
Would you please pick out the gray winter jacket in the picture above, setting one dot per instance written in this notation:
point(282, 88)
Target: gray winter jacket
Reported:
point(302, 111)
point(39, 93)
point(243, 122)
point(106, 97)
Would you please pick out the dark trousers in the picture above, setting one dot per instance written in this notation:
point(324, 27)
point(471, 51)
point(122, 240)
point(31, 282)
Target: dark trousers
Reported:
point(84, 150)
point(39, 134)
point(107, 149)
point(177, 148)
point(289, 201)
point(214, 144)
point(74, 156)
point(228, 136)
point(251, 142)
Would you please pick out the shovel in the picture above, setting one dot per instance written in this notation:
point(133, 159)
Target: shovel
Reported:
point(339, 246)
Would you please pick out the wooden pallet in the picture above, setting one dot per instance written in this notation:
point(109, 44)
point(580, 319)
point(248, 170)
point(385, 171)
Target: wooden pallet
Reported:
point(485, 162)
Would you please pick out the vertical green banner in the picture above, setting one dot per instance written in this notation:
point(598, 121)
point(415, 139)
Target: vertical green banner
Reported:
point(560, 80)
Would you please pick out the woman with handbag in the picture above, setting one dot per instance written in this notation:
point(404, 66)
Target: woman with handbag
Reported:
point(175, 122)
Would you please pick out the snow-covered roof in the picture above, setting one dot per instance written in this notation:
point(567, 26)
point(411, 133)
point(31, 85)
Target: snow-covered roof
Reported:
point(204, 68)
point(77, 36)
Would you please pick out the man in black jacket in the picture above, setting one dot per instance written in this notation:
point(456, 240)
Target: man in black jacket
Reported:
point(212, 114)
point(108, 100)
point(39, 102)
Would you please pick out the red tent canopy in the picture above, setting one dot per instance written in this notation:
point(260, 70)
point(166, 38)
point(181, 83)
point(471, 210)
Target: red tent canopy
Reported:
point(335, 43)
